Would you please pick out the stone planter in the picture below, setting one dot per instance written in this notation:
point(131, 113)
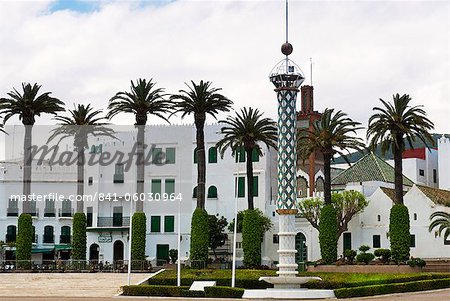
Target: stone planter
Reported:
point(365, 269)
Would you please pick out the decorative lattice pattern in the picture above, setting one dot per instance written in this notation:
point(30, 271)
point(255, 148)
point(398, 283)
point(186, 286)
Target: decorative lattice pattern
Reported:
point(286, 149)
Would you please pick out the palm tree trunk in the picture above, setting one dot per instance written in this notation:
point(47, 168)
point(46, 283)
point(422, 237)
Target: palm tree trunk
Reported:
point(201, 166)
point(249, 163)
point(327, 172)
point(140, 168)
point(80, 178)
point(27, 161)
point(398, 169)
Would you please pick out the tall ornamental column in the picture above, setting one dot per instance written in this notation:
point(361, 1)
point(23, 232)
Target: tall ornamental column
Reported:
point(287, 78)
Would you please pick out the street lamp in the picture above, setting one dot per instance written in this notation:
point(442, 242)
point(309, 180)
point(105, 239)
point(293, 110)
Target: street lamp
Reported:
point(233, 269)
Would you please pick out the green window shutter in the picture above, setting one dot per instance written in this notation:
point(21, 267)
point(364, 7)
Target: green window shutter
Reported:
point(212, 192)
point(169, 223)
point(255, 186)
point(413, 241)
point(241, 187)
point(156, 186)
point(255, 156)
point(347, 241)
point(170, 155)
point(212, 155)
point(194, 192)
point(169, 186)
point(156, 155)
point(195, 157)
point(155, 223)
point(240, 154)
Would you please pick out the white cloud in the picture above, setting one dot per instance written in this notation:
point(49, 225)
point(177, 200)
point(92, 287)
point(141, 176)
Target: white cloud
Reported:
point(361, 51)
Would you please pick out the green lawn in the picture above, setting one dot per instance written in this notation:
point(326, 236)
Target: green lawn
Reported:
point(249, 278)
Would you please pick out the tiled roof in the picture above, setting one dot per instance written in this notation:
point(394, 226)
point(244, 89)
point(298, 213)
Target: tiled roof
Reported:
point(390, 192)
point(438, 196)
point(369, 168)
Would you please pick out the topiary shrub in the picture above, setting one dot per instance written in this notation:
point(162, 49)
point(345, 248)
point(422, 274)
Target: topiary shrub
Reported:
point(416, 262)
point(24, 241)
point(349, 255)
point(173, 254)
point(363, 256)
point(138, 238)
point(399, 232)
point(328, 234)
point(383, 254)
point(79, 236)
point(251, 238)
point(199, 236)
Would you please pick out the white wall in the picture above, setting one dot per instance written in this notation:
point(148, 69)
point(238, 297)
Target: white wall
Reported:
point(444, 163)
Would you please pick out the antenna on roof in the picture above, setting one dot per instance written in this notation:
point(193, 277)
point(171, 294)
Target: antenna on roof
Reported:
point(311, 65)
point(287, 23)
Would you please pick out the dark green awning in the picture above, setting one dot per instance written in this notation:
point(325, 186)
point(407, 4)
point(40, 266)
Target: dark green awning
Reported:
point(42, 250)
point(63, 247)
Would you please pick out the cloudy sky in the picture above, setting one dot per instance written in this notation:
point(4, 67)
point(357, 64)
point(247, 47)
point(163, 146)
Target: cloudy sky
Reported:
point(86, 51)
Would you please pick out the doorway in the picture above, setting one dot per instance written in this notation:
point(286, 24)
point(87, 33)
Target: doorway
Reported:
point(118, 251)
point(300, 246)
point(94, 252)
point(162, 254)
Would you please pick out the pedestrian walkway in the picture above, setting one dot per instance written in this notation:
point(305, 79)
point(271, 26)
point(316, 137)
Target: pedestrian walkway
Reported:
point(65, 284)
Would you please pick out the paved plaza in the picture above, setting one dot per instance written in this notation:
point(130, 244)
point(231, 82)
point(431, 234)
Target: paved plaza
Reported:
point(64, 284)
point(105, 286)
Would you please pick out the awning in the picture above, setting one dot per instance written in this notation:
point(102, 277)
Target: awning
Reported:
point(42, 250)
point(63, 247)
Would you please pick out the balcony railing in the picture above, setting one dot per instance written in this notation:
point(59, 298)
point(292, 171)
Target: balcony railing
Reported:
point(122, 221)
point(49, 239)
point(49, 212)
point(12, 212)
point(65, 239)
point(65, 212)
point(35, 239)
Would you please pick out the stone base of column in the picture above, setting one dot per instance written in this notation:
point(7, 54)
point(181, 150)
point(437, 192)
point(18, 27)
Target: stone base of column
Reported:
point(287, 266)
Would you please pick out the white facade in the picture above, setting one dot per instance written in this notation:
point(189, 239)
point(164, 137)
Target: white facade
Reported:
point(108, 239)
point(444, 163)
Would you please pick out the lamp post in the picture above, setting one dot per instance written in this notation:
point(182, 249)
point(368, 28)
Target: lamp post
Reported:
point(233, 268)
point(129, 242)
point(179, 226)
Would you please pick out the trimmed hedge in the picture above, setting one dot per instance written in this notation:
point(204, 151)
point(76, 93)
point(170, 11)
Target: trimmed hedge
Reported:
point(399, 233)
point(161, 291)
point(181, 291)
point(24, 240)
point(138, 236)
point(342, 283)
point(223, 292)
point(372, 290)
point(199, 235)
point(79, 236)
point(328, 233)
point(251, 238)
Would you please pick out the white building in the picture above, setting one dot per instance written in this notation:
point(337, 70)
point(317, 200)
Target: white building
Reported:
point(110, 186)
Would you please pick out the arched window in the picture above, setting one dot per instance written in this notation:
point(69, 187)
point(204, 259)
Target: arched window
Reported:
point(212, 155)
point(65, 235)
point(320, 184)
point(194, 192)
point(92, 149)
point(48, 235)
point(302, 187)
point(11, 232)
point(212, 192)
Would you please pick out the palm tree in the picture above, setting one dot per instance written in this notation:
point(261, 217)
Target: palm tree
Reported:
point(442, 222)
point(200, 100)
point(245, 131)
point(83, 121)
point(391, 125)
point(330, 135)
point(27, 105)
point(144, 99)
